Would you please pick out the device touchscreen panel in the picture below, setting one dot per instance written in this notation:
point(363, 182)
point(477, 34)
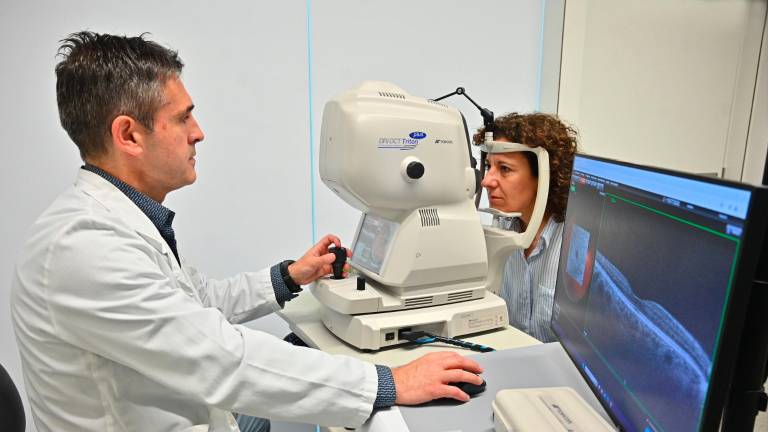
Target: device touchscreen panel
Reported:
point(645, 275)
point(373, 242)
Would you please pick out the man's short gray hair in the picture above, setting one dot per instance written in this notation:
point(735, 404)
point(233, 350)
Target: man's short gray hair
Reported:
point(102, 76)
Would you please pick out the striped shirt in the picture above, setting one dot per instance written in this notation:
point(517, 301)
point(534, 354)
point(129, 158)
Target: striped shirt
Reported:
point(528, 285)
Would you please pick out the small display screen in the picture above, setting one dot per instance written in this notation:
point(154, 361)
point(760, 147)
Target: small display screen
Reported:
point(373, 242)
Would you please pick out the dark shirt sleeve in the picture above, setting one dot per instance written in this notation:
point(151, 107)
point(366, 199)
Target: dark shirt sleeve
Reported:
point(282, 293)
point(386, 394)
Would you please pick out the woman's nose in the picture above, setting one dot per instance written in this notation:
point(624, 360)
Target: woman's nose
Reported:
point(489, 180)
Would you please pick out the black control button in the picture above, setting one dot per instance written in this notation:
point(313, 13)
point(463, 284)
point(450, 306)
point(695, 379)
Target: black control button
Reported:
point(415, 170)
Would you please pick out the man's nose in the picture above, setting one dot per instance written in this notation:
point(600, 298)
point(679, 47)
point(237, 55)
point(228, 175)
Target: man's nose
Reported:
point(197, 134)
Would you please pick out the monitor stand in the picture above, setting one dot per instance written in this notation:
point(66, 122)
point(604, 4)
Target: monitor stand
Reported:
point(747, 395)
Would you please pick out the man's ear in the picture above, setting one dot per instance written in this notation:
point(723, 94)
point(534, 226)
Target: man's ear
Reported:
point(128, 135)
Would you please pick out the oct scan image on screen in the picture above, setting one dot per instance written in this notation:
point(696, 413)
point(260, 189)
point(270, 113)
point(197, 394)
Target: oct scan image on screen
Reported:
point(645, 275)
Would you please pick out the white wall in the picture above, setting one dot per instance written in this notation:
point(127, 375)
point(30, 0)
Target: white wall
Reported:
point(247, 71)
point(757, 142)
point(665, 83)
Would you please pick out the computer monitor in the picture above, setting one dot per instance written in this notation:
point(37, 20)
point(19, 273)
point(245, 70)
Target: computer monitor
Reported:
point(653, 285)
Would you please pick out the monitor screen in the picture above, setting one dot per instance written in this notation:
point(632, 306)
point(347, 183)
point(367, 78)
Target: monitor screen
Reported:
point(644, 283)
point(373, 241)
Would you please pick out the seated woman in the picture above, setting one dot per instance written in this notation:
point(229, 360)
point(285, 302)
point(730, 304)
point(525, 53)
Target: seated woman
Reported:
point(528, 284)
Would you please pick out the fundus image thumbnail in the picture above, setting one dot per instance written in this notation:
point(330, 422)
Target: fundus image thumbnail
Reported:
point(655, 356)
point(577, 256)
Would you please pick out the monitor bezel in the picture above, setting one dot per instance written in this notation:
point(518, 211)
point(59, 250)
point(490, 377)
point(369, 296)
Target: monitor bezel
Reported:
point(727, 352)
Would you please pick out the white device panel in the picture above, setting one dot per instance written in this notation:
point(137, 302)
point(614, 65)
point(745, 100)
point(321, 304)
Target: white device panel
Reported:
point(546, 409)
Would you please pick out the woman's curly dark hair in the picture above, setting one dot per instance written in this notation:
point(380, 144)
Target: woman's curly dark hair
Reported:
point(547, 131)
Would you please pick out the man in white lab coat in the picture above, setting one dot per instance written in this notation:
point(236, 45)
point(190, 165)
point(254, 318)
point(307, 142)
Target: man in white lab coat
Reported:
point(116, 333)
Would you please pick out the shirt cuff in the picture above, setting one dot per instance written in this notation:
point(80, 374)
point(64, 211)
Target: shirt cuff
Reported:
point(282, 293)
point(386, 394)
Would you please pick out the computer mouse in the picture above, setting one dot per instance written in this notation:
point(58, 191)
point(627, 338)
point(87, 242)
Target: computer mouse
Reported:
point(469, 388)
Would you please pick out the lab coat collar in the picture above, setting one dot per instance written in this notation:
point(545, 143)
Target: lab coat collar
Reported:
point(117, 202)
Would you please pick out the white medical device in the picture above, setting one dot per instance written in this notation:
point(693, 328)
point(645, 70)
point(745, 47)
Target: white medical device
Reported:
point(428, 262)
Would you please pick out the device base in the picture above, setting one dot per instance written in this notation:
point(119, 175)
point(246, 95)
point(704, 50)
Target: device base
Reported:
point(376, 331)
point(343, 295)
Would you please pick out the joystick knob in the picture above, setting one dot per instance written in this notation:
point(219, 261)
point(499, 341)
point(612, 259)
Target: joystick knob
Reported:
point(338, 263)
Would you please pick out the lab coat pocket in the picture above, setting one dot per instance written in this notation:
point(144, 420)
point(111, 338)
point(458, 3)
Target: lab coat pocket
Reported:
point(186, 285)
point(179, 275)
point(182, 279)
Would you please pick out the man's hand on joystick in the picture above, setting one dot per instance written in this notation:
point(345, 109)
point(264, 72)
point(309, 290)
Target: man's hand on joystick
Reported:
point(317, 262)
point(338, 262)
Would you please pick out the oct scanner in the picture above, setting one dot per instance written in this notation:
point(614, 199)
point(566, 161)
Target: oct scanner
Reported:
point(422, 259)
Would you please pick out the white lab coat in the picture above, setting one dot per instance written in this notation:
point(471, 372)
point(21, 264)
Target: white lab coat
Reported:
point(115, 336)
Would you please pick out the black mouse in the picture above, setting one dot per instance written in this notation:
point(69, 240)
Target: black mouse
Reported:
point(469, 388)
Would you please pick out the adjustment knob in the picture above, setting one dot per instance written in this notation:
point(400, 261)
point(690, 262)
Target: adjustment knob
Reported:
point(415, 170)
point(412, 169)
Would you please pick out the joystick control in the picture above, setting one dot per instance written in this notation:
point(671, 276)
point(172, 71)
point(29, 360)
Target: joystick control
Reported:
point(338, 263)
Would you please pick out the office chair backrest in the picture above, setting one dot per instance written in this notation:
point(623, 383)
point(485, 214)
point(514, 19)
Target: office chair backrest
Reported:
point(11, 409)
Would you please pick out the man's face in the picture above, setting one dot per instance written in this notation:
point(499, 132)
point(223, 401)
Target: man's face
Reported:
point(169, 154)
point(510, 183)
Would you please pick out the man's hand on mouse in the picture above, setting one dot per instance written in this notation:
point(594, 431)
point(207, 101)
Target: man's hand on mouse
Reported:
point(428, 377)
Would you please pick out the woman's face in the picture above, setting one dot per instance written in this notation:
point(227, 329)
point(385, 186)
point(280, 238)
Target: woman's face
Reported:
point(510, 183)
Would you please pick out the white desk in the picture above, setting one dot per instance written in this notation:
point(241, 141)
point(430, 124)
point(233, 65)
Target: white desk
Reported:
point(303, 316)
